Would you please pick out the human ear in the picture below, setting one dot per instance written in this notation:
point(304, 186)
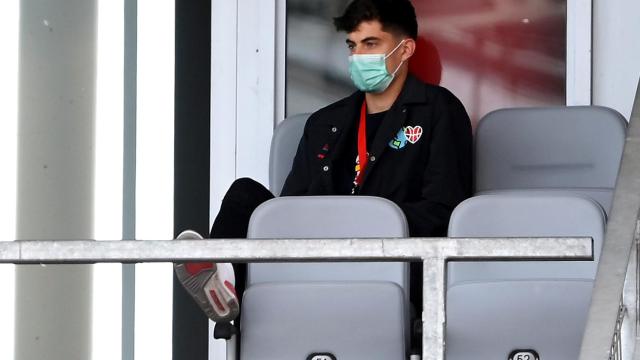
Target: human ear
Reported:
point(408, 48)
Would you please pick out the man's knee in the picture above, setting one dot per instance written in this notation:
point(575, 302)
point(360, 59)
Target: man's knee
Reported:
point(247, 191)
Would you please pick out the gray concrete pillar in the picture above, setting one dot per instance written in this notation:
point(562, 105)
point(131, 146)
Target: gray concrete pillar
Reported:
point(55, 173)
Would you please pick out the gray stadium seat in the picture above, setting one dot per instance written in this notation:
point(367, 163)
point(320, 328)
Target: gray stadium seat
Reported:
point(555, 149)
point(328, 217)
point(352, 310)
point(284, 145)
point(350, 320)
point(494, 308)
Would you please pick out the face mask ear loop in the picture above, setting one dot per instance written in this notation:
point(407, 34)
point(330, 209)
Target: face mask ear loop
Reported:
point(401, 62)
point(394, 49)
point(398, 68)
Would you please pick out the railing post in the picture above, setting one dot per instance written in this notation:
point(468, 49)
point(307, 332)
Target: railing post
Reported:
point(628, 315)
point(619, 246)
point(433, 305)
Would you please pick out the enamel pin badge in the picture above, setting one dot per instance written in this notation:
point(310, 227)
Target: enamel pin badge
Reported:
point(413, 133)
point(407, 134)
point(323, 152)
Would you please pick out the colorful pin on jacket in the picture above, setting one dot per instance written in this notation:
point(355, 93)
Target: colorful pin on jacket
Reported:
point(410, 134)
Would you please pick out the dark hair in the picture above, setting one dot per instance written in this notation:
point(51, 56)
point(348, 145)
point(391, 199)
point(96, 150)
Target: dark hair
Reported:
point(397, 16)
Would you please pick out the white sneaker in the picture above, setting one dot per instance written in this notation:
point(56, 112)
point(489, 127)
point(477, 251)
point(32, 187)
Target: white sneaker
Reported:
point(211, 285)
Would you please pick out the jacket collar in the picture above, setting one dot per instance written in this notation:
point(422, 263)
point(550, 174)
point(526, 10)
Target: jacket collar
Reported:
point(413, 92)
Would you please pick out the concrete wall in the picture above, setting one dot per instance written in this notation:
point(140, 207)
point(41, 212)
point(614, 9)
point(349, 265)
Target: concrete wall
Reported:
point(55, 173)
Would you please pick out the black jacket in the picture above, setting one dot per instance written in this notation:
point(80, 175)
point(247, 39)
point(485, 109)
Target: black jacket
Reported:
point(427, 178)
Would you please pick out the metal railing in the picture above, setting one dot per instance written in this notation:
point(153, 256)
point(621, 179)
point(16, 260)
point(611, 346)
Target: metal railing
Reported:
point(433, 252)
point(612, 324)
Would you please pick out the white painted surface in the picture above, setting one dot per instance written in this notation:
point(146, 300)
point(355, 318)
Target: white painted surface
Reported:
point(244, 77)
point(106, 331)
point(224, 30)
point(256, 87)
point(224, 43)
point(616, 53)
point(578, 52)
point(154, 182)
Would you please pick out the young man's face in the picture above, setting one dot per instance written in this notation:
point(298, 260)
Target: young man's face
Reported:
point(370, 38)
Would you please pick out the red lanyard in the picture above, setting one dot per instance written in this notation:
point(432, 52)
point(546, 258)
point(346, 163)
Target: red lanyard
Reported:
point(362, 144)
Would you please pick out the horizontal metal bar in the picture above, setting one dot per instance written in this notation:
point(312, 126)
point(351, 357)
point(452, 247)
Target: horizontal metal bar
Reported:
point(434, 252)
point(256, 250)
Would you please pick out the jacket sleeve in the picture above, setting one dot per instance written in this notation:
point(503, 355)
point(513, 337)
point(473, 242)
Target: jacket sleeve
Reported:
point(447, 175)
point(299, 178)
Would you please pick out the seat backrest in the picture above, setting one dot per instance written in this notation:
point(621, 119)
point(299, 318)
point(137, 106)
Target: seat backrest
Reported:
point(349, 320)
point(563, 148)
point(328, 217)
point(494, 308)
point(527, 214)
point(284, 145)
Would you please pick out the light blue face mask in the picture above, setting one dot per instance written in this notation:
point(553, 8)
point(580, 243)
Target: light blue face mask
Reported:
point(369, 71)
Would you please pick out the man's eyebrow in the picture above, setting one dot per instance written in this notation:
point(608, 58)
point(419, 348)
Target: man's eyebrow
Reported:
point(370, 38)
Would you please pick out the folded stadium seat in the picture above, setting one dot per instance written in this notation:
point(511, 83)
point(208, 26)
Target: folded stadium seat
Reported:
point(349, 310)
point(284, 145)
point(496, 308)
point(552, 149)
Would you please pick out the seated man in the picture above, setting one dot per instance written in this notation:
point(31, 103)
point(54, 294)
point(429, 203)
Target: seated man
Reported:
point(396, 137)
